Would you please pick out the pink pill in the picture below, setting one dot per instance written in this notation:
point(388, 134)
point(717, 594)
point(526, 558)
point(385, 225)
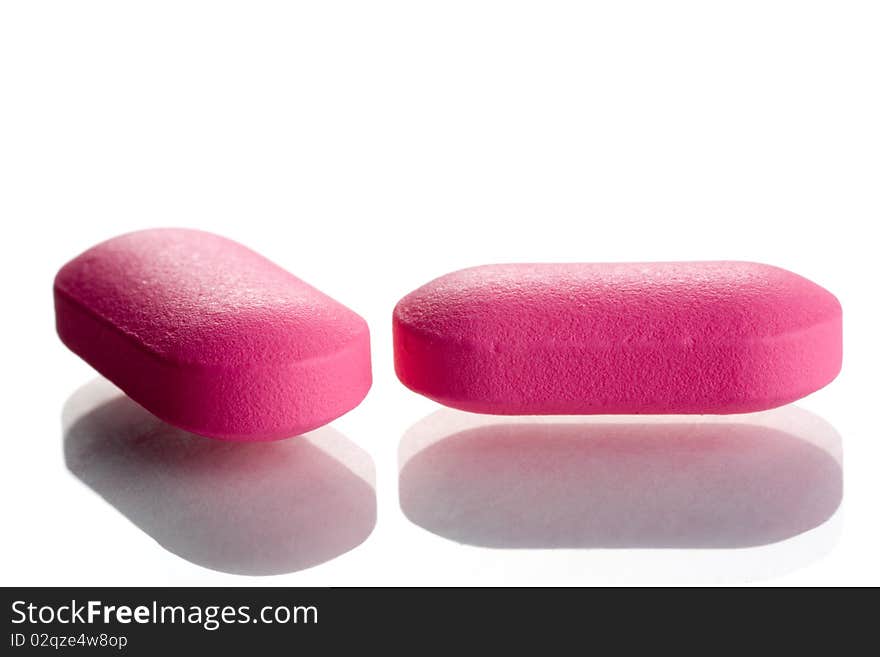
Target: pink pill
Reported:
point(684, 337)
point(212, 337)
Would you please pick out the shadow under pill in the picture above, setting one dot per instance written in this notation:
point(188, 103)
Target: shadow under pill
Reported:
point(246, 508)
point(627, 482)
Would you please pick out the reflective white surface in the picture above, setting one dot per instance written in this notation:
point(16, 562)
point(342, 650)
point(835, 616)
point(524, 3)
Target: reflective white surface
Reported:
point(369, 147)
point(696, 500)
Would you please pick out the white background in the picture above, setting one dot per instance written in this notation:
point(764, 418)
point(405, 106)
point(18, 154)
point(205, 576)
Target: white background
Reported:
point(371, 146)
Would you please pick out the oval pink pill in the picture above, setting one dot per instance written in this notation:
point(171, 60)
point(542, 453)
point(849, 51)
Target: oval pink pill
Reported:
point(212, 337)
point(680, 337)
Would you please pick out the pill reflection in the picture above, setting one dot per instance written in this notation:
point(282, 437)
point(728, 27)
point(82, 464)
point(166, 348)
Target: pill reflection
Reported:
point(258, 509)
point(673, 482)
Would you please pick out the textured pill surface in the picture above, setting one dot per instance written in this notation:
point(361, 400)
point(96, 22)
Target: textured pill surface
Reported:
point(212, 337)
point(677, 337)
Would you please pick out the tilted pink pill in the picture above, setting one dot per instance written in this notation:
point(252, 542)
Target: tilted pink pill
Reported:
point(212, 337)
point(679, 337)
